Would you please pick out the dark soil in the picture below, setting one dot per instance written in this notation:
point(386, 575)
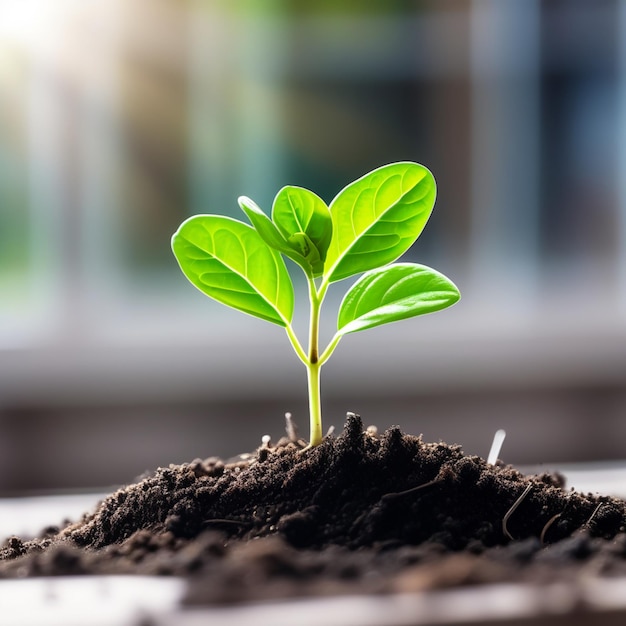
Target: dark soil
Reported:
point(360, 513)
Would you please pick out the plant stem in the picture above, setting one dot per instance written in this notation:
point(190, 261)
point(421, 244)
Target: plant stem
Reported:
point(330, 348)
point(315, 409)
point(296, 344)
point(313, 365)
point(312, 360)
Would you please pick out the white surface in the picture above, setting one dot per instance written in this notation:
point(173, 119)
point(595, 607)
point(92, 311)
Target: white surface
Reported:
point(26, 517)
point(491, 605)
point(603, 478)
point(132, 601)
point(86, 601)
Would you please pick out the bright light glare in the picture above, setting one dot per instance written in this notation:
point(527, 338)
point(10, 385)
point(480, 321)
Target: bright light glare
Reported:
point(25, 22)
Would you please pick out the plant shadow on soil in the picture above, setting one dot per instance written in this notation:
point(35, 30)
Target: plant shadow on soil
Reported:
point(361, 513)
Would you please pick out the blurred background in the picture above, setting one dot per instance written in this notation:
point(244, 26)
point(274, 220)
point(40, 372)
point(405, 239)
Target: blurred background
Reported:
point(120, 119)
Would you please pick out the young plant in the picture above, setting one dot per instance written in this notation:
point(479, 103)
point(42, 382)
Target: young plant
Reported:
point(368, 225)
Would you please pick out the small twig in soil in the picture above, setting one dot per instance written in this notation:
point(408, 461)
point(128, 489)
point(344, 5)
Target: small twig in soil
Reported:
point(510, 512)
point(585, 526)
point(399, 494)
point(239, 463)
point(231, 522)
point(544, 530)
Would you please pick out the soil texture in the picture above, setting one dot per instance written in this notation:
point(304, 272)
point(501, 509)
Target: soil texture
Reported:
point(361, 513)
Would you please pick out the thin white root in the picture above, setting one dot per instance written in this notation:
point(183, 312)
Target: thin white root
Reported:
point(290, 427)
point(496, 446)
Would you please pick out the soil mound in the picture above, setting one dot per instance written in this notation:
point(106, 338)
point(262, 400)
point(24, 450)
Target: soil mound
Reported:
point(361, 512)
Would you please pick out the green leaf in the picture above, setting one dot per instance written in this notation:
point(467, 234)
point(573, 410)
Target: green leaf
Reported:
point(229, 261)
point(274, 238)
point(304, 221)
point(263, 224)
point(394, 293)
point(378, 217)
point(306, 248)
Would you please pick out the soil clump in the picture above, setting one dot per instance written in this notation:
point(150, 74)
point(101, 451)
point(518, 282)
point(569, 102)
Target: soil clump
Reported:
point(361, 513)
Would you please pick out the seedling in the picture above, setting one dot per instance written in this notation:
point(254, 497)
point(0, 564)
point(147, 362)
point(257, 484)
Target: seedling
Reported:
point(368, 226)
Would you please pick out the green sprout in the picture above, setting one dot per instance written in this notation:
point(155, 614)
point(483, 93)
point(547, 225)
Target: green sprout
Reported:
point(369, 224)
